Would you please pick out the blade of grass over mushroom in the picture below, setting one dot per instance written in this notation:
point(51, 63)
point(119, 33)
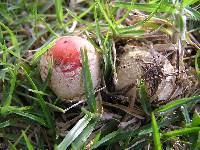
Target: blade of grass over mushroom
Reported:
point(74, 133)
point(28, 143)
point(41, 51)
point(89, 90)
point(59, 11)
point(156, 134)
point(166, 7)
point(144, 98)
point(177, 103)
point(82, 138)
point(41, 101)
point(180, 132)
point(13, 38)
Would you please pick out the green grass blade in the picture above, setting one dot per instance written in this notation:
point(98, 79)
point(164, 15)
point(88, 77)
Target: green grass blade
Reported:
point(180, 132)
point(41, 101)
point(96, 138)
point(59, 11)
point(130, 30)
point(5, 52)
point(165, 7)
point(6, 123)
point(28, 143)
point(181, 25)
point(1, 36)
point(49, 28)
point(101, 7)
point(156, 134)
point(195, 119)
point(41, 51)
point(13, 74)
point(82, 138)
point(13, 109)
point(74, 133)
point(37, 92)
point(97, 27)
point(144, 98)
point(13, 38)
point(35, 118)
point(21, 111)
point(51, 106)
point(197, 62)
point(193, 14)
point(77, 18)
point(12, 146)
point(194, 137)
point(5, 14)
point(177, 103)
point(188, 2)
point(185, 114)
point(104, 139)
point(142, 23)
point(89, 90)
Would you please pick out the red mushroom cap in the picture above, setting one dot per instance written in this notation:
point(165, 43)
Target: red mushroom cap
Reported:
point(65, 52)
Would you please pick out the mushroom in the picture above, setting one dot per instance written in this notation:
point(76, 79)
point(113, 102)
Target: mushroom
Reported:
point(66, 79)
point(141, 62)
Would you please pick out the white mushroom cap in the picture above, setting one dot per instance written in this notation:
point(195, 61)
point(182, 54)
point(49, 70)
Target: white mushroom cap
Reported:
point(154, 68)
point(67, 79)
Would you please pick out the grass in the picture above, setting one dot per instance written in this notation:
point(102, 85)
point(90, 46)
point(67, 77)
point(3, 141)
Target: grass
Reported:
point(31, 115)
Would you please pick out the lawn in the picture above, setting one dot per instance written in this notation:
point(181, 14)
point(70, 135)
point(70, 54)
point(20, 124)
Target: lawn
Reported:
point(143, 91)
